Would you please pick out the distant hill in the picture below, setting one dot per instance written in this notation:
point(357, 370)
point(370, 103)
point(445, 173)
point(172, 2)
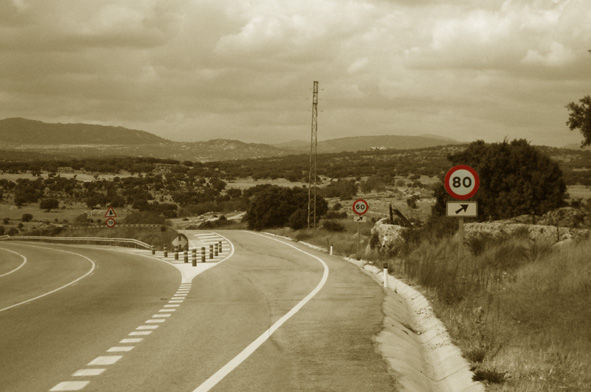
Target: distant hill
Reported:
point(362, 143)
point(21, 131)
point(87, 140)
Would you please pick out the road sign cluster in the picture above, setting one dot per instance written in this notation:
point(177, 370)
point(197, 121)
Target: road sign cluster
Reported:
point(462, 182)
point(110, 215)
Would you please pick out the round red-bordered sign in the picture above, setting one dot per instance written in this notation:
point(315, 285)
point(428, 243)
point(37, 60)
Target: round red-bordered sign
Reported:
point(360, 207)
point(110, 222)
point(461, 182)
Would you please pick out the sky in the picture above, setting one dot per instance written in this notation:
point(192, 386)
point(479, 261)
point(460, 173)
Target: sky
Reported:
point(203, 69)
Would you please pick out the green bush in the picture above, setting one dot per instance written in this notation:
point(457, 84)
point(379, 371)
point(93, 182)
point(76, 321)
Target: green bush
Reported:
point(27, 217)
point(273, 206)
point(332, 226)
point(515, 179)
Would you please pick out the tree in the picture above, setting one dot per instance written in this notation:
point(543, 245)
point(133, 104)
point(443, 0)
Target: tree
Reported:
point(49, 204)
point(579, 117)
point(515, 179)
point(273, 206)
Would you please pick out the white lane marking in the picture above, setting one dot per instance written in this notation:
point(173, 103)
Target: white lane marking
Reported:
point(155, 321)
point(181, 294)
point(105, 360)
point(167, 310)
point(17, 268)
point(176, 301)
point(144, 327)
point(160, 315)
point(59, 288)
point(171, 306)
point(120, 349)
point(130, 340)
point(88, 372)
point(139, 333)
point(70, 386)
point(248, 350)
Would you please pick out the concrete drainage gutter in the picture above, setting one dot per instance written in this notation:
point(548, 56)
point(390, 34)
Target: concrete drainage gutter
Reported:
point(414, 341)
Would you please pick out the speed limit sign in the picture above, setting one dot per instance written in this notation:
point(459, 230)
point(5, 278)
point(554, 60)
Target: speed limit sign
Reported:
point(360, 207)
point(461, 182)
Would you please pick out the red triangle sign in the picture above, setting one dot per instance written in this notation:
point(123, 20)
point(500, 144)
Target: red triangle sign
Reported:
point(110, 213)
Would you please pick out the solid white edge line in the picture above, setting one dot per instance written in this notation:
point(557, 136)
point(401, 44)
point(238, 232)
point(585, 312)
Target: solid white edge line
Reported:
point(17, 268)
point(59, 288)
point(248, 350)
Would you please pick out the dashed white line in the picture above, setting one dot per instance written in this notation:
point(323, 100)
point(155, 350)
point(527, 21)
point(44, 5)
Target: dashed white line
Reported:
point(140, 333)
point(88, 372)
point(160, 315)
point(178, 301)
point(167, 310)
point(70, 386)
point(171, 306)
point(155, 321)
point(105, 360)
point(145, 327)
point(120, 349)
point(131, 340)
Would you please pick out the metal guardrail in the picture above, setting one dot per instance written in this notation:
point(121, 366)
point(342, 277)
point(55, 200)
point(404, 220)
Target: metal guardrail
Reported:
point(129, 242)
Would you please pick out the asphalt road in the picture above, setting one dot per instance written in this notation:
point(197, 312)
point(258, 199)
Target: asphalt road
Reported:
point(325, 346)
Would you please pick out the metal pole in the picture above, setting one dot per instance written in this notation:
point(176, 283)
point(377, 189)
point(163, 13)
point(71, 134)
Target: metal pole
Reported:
point(358, 238)
point(461, 235)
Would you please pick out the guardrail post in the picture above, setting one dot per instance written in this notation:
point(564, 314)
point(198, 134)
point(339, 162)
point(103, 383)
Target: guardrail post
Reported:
point(176, 254)
point(211, 251)
point(215, 249)
point(153, 250)
point(194, 256)
point(203, 254)
point(220, 246)
point(165, 252)
point(186, 256)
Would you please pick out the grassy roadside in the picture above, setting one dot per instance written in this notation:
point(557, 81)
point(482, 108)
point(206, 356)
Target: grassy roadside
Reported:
point(518, 310)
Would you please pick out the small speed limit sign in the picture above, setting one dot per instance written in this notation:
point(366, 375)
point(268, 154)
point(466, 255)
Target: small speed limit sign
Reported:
point(360, 207)
point(461, 182)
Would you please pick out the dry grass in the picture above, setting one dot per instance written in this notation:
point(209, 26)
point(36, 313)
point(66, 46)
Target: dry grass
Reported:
point(519, 313)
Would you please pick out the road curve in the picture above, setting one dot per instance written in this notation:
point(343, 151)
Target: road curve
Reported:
point(45, 340)
point(326, 346)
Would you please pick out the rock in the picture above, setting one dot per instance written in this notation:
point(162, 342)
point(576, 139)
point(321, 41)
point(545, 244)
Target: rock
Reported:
point(391, 238)
point(500, 231)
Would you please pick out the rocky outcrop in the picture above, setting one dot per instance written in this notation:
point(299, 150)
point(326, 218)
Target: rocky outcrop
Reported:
point(501, 230)
point(390, 238)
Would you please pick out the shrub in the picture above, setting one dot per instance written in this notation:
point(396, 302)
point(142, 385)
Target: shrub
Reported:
point(333, 226)
point(335, 215)
point(49, 204)
point(298, 219)
point(273, 206)
point(27, 217)
point(2, 230)
point(515, 179)
point(146, 217)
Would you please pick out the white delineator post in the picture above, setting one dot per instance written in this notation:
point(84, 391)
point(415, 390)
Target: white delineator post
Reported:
point(385, 266)
point(330, 251)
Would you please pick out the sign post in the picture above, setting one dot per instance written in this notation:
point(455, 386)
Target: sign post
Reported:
point(461, 182)
point(360, 208)
point(110, 215)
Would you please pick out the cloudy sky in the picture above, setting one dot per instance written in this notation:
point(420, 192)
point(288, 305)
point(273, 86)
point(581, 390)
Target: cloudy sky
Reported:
point(202, 69)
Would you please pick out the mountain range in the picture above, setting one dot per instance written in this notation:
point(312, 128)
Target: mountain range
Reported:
point(90, 140)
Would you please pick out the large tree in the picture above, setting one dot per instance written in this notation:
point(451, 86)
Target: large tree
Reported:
point(579, 117)
point(515, 179)
point(274, 206)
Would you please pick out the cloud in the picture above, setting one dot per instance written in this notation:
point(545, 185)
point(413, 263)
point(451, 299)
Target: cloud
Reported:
point(196, 69)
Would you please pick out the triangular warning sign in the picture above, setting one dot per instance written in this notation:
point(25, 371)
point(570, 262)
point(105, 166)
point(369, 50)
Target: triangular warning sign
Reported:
point(110, 213)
